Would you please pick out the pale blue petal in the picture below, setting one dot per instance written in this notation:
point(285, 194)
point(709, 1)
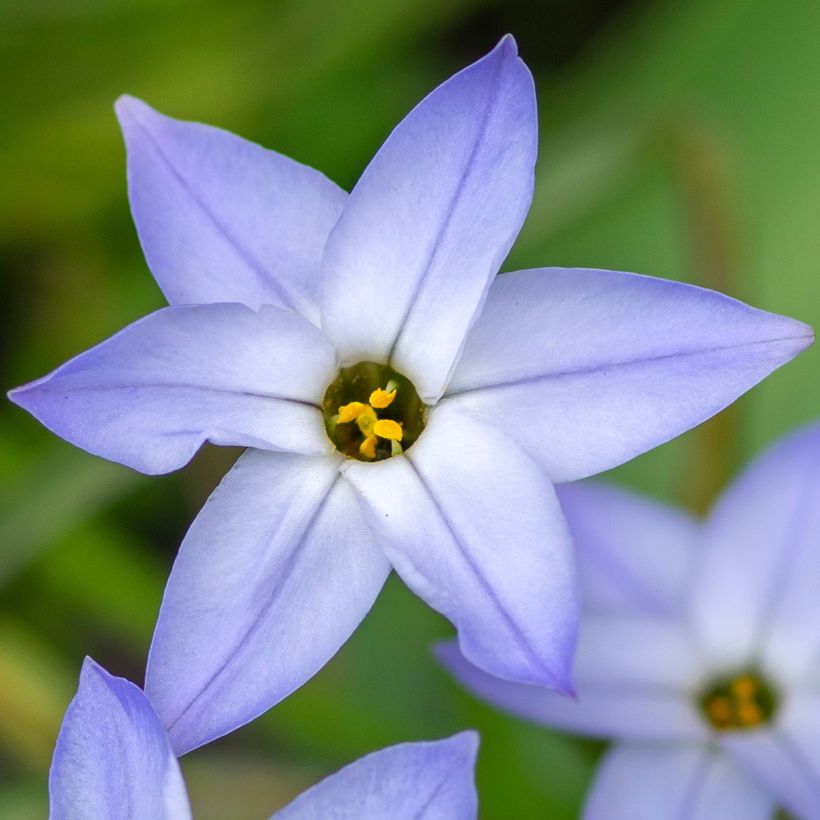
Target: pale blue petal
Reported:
point(635, 555)
point(427, 226)
point(222, 219)
point(757, 592)
point(149, 396)
point(633, 678)
point(272, 578)
point(786, 758)
point(473, 527)
point(655, 782)
point(411, 781)
point(113, 759)
point(604, 366)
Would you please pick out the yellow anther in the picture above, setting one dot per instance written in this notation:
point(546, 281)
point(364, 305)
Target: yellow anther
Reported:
point(387, 428)
point(368, 447)
point(749, 714)
point(350, 412)
point(720, 711)
point(381, 398)
point(744, 687)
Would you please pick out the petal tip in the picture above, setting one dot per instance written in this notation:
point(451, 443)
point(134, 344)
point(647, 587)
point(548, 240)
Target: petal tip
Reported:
point(131, 110)
point(507, 45)
point(465, 743)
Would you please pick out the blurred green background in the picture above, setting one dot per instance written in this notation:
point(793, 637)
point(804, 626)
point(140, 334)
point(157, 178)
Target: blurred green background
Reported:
point(679, 138)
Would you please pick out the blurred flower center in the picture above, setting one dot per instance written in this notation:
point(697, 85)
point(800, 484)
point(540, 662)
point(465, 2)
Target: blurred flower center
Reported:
point(743, 701)
point(372, 412)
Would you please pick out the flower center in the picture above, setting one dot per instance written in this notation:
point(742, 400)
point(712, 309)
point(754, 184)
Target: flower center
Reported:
point(372, 412)
point(742, 701)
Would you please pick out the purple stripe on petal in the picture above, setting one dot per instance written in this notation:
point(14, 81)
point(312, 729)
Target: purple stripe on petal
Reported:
point(607, 365)
point(473, 527)
point(272, 578)
point(429, 223)
point(113, 758)
point(149, 396)
point(222, 219)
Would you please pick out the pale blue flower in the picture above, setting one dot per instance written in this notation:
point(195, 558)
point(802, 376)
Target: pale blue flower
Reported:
point(699, 651)
point(114, 760)
point(296, 313)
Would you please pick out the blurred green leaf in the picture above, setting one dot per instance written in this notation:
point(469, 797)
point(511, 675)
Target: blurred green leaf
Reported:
point(57, 491)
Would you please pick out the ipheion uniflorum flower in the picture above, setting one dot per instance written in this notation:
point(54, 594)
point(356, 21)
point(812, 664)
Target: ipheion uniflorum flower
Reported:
point(368, 421)
point(700, 647)
point(284, 293)
point(113, 760)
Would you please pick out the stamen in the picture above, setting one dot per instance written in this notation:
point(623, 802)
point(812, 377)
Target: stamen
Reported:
point(368, 447)
point(385, 425)
point(739, 702)
point(350, 412)
point(381, 398)
point(387, 428)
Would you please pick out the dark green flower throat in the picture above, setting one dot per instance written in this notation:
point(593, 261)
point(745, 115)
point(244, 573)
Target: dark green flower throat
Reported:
point(737, 702)
point(372, 412)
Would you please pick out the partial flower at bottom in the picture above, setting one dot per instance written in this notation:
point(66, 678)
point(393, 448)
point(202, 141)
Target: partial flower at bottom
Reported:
point(699, 651)
point(114, 760)
point(403, 406)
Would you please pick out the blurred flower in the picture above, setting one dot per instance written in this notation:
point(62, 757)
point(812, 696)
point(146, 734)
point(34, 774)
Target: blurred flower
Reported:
point(699, 650)
point(389, 423)
point(113, 760)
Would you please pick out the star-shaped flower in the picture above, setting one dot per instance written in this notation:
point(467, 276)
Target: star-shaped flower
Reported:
point(113, 760)
point(403, 406)
point(699, 650)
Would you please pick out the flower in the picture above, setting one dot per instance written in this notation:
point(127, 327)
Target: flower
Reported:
point(297, 311)
point(700, 647)
point(113, 759)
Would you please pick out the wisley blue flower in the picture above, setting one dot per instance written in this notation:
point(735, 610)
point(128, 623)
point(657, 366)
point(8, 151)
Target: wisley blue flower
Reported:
point(403, 406)
point(699, 649)
point(113, 760)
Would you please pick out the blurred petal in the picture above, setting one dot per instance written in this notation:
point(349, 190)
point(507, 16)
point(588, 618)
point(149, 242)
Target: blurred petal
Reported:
point(608, 365)
point(411, 781)
point(112, 757)
point(149, 396)
point(274, 575)
point(635, 555)
point(760, 576)
point(473, 527)
point(222, 219)
point(632, 677)
point(785, 758)
point(429, 223)
point(693, 782)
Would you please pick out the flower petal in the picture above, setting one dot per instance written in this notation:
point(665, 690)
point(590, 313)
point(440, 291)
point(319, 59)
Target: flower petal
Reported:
point(757, 591)
point(429, 223)
point(632, 678)
point(113, 758)
point(785, 759)
point(691, 782)
point(473, 527)
point(608, 365)
point(635, 555)
point(222, 219)
point(411, 781)
point(272, 578)
point(151, 395)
